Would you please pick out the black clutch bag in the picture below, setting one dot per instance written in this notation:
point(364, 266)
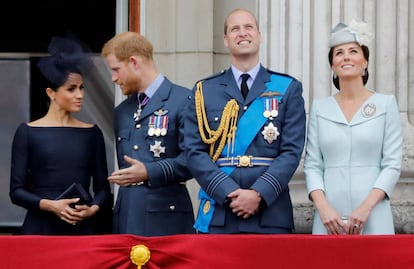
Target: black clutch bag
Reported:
point(76, 190)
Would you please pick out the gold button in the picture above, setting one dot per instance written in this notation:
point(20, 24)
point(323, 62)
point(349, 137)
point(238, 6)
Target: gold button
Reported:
point(136, 147)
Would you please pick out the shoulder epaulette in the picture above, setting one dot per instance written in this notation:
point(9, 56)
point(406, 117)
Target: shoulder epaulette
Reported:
point(281, 74)
point(213, 76)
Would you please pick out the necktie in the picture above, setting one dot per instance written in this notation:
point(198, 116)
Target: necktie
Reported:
point(244, 88)
point(142, 100)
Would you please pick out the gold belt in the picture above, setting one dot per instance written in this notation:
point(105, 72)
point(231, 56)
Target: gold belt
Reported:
point(244, 161)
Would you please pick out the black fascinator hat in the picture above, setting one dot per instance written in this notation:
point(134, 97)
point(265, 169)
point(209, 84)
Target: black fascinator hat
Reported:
point(66, 56)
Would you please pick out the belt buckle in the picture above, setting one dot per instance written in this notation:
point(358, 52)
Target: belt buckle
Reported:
point(245, 161)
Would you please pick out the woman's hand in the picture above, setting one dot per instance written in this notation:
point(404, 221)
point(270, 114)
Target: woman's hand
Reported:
point(332, 221)
point(330, 218)
point(63, 210)
point(79, 213)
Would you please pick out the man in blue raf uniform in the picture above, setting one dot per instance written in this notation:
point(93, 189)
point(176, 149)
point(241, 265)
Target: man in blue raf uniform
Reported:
point(243, 151)
point(152, 198)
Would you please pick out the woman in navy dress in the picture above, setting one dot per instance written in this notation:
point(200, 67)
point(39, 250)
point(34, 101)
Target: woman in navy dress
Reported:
point(51, 153)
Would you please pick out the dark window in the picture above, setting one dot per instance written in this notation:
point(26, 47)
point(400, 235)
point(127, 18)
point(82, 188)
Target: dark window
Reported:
point(27, 26)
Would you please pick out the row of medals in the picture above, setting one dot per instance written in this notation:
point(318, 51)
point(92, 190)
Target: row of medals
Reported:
point(270, 132)
point(271, 106)
point(157, 124)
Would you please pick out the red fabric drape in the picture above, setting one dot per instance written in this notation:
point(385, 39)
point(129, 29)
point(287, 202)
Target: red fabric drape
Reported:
point(208, 251)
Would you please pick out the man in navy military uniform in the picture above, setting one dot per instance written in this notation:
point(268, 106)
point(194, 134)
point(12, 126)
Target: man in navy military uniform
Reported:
point(152, 198)
point(243, 151)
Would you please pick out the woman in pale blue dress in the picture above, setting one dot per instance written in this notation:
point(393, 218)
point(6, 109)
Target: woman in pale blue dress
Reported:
point(354, 144)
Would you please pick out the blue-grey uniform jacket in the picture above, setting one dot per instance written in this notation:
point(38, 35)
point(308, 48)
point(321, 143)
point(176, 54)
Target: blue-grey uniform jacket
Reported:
point(271, 180)
point(161, 206)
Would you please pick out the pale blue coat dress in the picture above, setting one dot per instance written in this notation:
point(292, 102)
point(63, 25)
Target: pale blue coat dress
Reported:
point(347, 160)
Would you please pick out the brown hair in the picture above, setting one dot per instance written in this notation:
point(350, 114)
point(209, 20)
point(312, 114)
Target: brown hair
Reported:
point(365, 51)
point(236, 10)
point(127, 44)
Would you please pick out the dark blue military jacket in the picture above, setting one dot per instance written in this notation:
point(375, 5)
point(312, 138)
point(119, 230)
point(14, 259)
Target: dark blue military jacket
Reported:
point(271, 181)
point(161, 206)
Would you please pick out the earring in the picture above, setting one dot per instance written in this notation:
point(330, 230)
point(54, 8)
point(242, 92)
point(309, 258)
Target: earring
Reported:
point(364, 72)
point(335, 76)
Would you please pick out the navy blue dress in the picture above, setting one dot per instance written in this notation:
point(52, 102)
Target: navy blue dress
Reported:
point(47, 160)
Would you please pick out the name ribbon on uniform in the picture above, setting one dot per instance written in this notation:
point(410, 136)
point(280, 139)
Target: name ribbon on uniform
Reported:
point(247, 128)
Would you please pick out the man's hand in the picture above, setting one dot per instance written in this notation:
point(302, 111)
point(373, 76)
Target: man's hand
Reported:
point(134, 174)
point(245, 202)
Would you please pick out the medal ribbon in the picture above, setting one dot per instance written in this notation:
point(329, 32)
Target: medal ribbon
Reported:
point(267, 104)
point(164, 124)
point(152, 121)
point(275, 104)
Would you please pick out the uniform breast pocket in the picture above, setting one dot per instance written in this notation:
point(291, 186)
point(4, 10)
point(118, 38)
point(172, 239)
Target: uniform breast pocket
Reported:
point(214, 118)
point(123, 135)
point(167, 204)
point(122, 140)
point(168, 213)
